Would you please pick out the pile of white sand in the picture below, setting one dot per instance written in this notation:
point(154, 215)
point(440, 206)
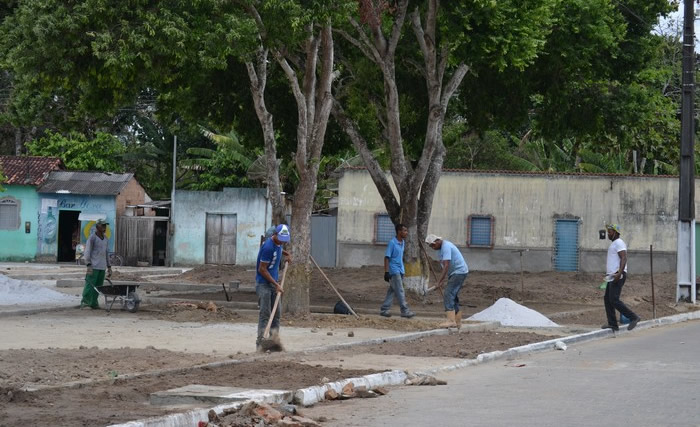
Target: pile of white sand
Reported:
point(25, 292)
point(510, 313)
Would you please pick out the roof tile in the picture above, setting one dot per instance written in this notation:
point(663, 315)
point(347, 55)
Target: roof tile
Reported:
point(28, 170)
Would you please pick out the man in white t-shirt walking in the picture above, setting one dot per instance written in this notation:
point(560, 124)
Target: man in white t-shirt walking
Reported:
point(616, 274)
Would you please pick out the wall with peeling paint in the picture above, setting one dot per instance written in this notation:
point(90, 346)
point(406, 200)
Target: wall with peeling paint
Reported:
point(253, 215)
point(525, 208)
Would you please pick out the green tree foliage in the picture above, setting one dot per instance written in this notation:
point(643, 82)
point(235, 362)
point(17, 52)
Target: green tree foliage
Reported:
point(223, 166)
point(600, 83)
point(102, 153)
point(489, 150)
point(95, 56)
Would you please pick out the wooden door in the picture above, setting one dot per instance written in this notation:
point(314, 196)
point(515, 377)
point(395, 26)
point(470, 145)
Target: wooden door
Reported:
point(221, 232)
point(134, 239)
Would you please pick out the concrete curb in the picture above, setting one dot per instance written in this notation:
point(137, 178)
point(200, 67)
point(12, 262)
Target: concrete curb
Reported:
point(551, 344)
point(311, 395)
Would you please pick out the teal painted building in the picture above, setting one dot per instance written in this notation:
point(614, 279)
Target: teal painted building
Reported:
point(71, 203)
point(20, 204)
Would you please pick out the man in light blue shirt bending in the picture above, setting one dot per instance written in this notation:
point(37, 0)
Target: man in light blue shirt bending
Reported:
point(394, 272)
point(455, 268)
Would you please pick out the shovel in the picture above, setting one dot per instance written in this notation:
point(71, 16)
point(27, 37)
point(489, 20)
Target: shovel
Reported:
point(273, 343)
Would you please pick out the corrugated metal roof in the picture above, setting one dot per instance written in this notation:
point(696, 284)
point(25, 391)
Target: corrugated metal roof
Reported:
point(91, 183)
point(28, 170)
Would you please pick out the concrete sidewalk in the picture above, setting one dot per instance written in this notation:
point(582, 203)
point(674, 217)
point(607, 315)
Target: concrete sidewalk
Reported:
point(59, 329)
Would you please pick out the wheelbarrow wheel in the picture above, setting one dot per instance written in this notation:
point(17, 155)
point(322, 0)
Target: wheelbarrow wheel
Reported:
point(132, 302)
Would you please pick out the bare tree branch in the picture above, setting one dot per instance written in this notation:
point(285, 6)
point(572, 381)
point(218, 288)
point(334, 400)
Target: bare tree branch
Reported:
point(373, 167)
point(369, 49)
point(398, 25)
point(324, 96)
point(301, 110)
point(453, 84)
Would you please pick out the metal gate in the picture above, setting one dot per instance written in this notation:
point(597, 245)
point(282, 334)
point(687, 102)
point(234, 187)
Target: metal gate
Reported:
point(221, 239)
point(566, 245)
point(323, 239)
point(135, 239)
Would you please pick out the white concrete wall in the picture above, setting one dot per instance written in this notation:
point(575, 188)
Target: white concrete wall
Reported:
point(525, 208)
point(253, 214)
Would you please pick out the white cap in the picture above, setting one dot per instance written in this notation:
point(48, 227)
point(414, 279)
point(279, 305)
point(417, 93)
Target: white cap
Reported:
point(431, 238)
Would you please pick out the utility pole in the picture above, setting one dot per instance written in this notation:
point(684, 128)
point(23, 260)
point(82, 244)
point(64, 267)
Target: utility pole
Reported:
point(171, 229)
point(685, 273)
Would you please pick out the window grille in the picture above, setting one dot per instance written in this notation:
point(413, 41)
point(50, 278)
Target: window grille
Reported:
point(9, 214)
point(480, 231)
point(384, 229)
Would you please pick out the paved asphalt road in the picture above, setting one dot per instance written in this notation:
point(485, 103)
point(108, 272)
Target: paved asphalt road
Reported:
point(647, 377)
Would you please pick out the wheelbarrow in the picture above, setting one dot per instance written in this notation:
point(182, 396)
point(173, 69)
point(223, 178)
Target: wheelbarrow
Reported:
point(126, 294)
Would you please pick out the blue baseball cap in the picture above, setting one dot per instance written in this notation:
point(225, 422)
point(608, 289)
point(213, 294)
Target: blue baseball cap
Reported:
point(282, 232)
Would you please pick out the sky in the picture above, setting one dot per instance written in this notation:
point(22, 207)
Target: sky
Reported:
point(675, 20)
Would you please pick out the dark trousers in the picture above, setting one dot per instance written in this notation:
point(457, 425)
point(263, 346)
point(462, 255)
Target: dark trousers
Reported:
point(612, 301)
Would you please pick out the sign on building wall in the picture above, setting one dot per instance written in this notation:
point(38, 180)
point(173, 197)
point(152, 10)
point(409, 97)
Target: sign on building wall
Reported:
point(68, 219)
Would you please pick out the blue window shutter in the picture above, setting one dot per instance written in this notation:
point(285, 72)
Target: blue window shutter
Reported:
point(566, 249)
point(385, 229)
point(480, 231)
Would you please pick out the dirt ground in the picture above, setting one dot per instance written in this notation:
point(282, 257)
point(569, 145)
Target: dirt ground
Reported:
point(115, 400)
point(567, 298)
point(571, 299)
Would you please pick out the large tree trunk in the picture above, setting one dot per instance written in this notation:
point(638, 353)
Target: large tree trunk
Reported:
point(314, 101)
point(415, 279)
point(296, 295)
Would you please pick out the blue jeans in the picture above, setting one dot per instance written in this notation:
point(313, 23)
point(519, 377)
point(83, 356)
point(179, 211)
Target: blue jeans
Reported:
point(451, 295)
point(266, 299)
point(395, 288)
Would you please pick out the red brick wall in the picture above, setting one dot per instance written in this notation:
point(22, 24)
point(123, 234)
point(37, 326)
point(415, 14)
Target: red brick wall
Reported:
point(132, 194)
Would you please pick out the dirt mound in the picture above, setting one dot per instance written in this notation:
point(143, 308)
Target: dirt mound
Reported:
point(217, 274)
point(201, 311)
